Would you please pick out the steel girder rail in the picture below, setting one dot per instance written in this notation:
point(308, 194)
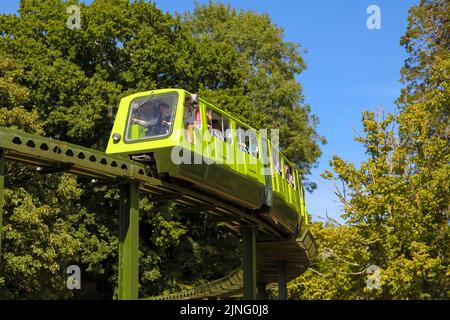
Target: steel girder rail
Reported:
point(228, 286)
point(231, 284)
point(51, 156)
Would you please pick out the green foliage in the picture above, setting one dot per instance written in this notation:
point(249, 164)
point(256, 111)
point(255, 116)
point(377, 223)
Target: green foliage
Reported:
point(398, 199)
point(43, 227)
point(11, 93)
point(45, 231)
point(427, 42)
point(66, 84)
point(339, 272)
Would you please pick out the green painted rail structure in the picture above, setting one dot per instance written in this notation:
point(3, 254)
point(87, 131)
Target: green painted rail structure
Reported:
point(263, 263)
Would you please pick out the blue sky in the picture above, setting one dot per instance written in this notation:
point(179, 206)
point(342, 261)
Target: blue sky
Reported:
point(350, 68)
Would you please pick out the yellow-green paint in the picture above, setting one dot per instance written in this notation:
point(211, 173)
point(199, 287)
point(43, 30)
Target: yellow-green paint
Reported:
point(240, 180)
point(129, 242)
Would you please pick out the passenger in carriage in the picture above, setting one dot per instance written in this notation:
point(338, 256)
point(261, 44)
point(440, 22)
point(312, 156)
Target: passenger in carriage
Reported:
point(289, 176)
point(228, 135)
point(244, 145)
point(277, 165)
point(215, 130)
point(191, 117)
point(209, 117)
point(254, 151)
point(158, 125)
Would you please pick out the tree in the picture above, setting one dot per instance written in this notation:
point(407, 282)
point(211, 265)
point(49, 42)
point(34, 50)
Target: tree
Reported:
point(67, 85)
point(398, 199)
point(43, 228)
point(427, 42)
point(340, 269)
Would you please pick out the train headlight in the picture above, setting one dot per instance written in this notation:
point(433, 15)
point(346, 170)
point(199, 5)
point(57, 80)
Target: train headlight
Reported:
point(116, 137)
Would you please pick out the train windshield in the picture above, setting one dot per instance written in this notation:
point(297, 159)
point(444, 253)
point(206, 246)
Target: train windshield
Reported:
point(151, 116)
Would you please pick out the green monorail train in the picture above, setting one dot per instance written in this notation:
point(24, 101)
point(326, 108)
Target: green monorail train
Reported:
point(187, 139)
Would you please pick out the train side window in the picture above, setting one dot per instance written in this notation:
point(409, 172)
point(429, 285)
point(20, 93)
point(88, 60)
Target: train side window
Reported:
point(276, 161)
point(226, 130)
point(248, 141)
point(299, 179)
point(219, 125)
point(254, 150)
point(289, 175)
point(243, 144)
point(192, 117)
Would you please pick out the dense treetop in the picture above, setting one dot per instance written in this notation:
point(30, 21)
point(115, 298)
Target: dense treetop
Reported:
point(397, 202)
point(66, 84)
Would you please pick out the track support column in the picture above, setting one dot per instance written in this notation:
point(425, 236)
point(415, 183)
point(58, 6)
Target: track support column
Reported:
point(249, 261)
point(129, 242)
point(282, 283)
point(2, 186)
point(261, 286)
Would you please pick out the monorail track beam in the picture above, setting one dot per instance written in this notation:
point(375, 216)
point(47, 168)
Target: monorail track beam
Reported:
point(53, 156)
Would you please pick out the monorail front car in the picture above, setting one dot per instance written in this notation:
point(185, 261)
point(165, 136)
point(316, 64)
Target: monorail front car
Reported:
point(185, 138)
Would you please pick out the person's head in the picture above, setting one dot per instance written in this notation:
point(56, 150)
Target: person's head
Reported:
point(191, 102)
point(215, 124)
point(164, 108)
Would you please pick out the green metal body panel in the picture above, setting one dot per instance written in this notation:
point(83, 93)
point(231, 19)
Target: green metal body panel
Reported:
point(249, 261)
point(283, 216)
point(224, 182)
point(129, 242)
